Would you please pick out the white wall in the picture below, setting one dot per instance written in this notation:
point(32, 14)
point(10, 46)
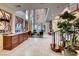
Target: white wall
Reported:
point(20, 14)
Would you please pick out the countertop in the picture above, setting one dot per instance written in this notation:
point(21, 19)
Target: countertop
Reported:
point(12, 34)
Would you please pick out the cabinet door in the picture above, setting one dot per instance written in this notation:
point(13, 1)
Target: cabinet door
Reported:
point(14, 41)
point(21, 38)
point(1, 42)
point(26, 36)
point(7, 42)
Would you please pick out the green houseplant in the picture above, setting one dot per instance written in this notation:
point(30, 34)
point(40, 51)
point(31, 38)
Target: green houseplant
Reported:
point(68, 26)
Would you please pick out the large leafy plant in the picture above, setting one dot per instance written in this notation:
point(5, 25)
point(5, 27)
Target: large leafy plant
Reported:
point(68, 16)
point(69, 25)
point(66, 26)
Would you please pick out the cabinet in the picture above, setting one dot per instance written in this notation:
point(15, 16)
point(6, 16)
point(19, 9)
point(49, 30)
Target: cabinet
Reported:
point(12, 41)
point(1, 41)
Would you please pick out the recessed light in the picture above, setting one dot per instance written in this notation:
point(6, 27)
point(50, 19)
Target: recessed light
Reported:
point(18, 5)
point(43, 3)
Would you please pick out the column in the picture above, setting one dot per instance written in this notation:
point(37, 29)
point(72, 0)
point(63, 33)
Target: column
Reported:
point(29, 21)
point(33, 19)
point(13, 23)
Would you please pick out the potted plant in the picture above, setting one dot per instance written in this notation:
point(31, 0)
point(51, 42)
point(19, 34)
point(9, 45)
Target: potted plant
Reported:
point(68, 26)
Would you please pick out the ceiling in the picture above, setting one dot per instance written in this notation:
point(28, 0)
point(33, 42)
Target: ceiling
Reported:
point(55, 7)
point(24, 6)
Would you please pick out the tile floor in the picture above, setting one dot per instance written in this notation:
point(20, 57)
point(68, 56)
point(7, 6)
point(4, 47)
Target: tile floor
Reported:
point(32, 47)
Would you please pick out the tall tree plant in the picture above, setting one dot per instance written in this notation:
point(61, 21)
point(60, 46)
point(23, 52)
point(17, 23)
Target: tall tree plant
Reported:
point(69, 25)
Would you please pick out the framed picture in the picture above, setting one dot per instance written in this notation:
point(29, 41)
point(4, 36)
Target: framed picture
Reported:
point(18, 24)
point(5, 19)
